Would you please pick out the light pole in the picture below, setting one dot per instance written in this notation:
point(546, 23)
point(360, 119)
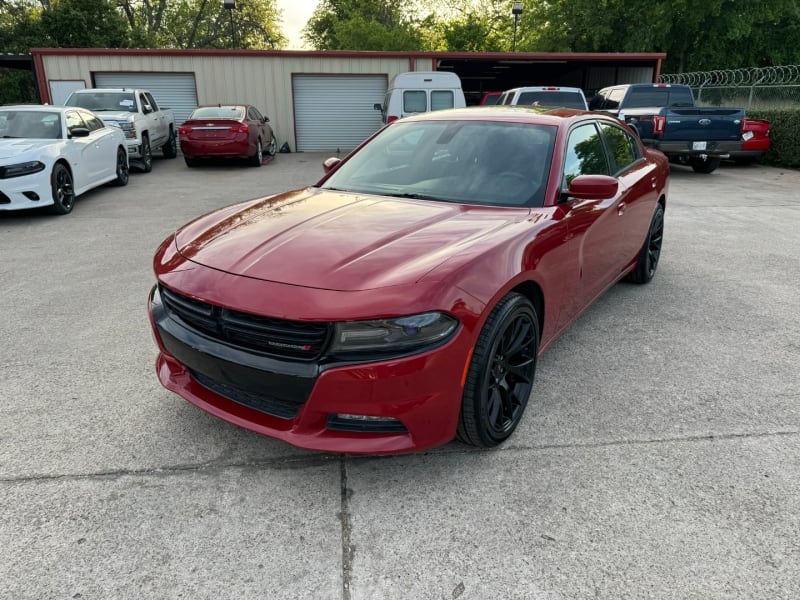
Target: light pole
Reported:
point(516, 10)
point(229, 5)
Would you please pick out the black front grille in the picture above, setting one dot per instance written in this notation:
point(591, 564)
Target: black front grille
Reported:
point(275, 337)
point(261, 402)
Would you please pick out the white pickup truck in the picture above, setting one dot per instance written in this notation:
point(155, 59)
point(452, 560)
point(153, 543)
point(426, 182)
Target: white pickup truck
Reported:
point(136, 112)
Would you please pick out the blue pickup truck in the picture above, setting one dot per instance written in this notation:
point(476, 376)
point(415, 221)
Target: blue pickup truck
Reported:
point(665, 117)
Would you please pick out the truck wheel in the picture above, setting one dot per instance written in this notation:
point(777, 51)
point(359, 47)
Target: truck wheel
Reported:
point(147, 154)
point(258, 157)
point(170, 149)
point(705, 165)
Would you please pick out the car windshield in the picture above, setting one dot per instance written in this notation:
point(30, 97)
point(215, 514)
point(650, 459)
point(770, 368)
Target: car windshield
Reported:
point(553, 98)
point(218, 112)
point(30, 124)
point(473, 162)
point(103, 101)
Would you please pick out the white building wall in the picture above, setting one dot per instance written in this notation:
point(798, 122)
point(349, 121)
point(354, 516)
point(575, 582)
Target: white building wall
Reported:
point(263, 81)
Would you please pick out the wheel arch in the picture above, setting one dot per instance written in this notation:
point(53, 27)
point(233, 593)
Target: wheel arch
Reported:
point(533, 292)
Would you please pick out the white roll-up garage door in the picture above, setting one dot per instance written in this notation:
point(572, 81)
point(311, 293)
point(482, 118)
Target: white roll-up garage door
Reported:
point(336, 111)
point(176, 91)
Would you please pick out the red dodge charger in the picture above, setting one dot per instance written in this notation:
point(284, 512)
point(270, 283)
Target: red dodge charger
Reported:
point(403, 300)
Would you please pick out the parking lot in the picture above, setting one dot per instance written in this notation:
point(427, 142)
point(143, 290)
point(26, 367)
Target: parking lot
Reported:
point(659, 456)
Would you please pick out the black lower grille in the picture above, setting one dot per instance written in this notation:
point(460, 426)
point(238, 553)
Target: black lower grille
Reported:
point(261, 402)
point(344, 423)
point(301, 340)
point(4, 199)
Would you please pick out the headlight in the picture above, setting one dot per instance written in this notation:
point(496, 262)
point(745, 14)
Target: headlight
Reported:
point(401, 334)
point(20, 169)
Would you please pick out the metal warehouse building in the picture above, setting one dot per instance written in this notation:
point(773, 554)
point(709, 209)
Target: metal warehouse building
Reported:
point(317, 100)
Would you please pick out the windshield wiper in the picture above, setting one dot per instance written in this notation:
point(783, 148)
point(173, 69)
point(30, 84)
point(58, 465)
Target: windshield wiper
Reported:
point(417, 196)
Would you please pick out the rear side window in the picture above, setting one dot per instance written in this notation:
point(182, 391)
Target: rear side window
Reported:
point(442, 99)
point(553, 98)
point(646, 97)
point(414, 101)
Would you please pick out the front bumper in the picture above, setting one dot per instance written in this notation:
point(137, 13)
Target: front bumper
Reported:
point(28, 191)
point(390, 406)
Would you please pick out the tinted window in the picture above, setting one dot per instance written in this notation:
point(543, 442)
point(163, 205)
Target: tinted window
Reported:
point(506, 98)
point(441, 99)
point(659, 96)
point(585, 154)
point(74, 121)
point(554, 98)
point(92, 122)
point(151, 101)
point(254, 114)
point(475, 162)
point(623, 147)
point(414, 101)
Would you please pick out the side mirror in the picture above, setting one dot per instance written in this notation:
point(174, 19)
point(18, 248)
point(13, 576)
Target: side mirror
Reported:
point(78, 132)
point(329, 164)
point(266, 119)
point(593, 187)
point(377, 106)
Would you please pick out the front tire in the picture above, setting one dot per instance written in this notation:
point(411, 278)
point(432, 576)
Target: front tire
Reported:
point(123, 173)
point(646, 266)
point(63, 190)
point(258, 157)
point(170, 149)
point(501, 372)
point(147, 154)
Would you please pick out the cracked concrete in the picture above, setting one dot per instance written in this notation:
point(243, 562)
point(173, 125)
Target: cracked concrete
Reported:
point(658, 457)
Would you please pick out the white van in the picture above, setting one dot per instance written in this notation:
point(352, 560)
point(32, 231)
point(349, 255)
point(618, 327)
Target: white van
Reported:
point(567, 97)
point(421, 91)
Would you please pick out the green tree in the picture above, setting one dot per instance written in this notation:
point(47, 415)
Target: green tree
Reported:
point(363, 25)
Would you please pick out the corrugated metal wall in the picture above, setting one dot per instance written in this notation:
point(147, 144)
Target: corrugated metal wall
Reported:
point(264, 81)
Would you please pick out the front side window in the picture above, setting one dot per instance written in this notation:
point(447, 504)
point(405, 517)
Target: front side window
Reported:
point(415, 101)
point(585, 154)
point(151, 101)
point(74, 121)
point(623, 146)
point(472, 162)
point(442, 99)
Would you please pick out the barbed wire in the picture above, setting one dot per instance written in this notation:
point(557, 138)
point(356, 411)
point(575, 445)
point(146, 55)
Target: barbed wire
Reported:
point(749, 76)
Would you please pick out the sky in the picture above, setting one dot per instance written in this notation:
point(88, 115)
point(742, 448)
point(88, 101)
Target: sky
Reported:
point(296, 14)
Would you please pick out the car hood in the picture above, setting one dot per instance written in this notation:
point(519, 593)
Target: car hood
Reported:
point(20, 150)
point(339, 241)
point(114, 115)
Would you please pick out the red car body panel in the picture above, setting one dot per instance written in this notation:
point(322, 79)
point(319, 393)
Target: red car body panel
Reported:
point(222, 137)
point(760, 140)
point(318, 255)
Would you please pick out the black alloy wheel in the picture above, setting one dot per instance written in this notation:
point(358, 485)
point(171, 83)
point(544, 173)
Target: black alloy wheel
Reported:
point(258, 157)
point(147, 154)
point(650, 253)
point(501, 373)
point(123, 173)
point(63, 190)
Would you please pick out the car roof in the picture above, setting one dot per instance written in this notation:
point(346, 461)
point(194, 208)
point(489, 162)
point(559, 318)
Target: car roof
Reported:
point(37, 107)
point(546, 88)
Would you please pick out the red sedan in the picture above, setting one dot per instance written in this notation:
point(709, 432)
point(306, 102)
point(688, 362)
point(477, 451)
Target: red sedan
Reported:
point(403, 300)
point(227, 130)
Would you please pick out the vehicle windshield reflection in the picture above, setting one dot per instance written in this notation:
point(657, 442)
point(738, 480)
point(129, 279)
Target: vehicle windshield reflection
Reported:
point(472, 162)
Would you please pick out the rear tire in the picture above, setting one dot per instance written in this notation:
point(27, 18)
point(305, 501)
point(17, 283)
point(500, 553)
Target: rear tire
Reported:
point(272, 149)
point(651, 250)
point(705, 165)
point(258, 157)
point(500, 375)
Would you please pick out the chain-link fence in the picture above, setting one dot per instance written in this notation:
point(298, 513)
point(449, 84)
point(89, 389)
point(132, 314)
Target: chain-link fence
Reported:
point(756, 87)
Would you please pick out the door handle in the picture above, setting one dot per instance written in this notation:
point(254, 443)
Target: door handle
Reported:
point(620, 208)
